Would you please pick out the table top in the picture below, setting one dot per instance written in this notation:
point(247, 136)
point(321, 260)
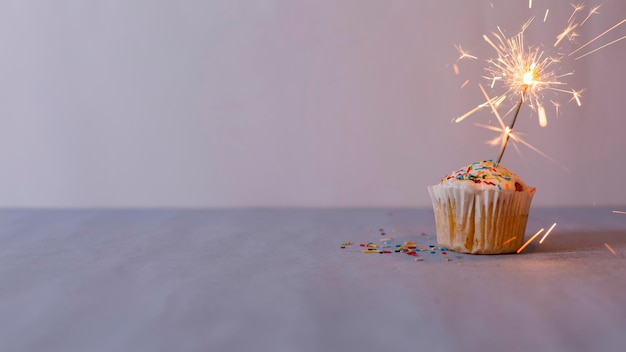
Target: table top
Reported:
point(277, 280)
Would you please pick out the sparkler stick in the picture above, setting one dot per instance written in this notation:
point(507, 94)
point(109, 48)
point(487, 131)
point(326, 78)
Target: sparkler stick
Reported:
point(510, 128)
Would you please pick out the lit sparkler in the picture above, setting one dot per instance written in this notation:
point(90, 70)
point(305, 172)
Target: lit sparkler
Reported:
point(527, 73)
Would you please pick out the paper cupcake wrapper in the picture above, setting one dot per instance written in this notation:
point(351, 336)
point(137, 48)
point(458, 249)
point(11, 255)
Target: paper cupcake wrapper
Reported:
point(480, 222)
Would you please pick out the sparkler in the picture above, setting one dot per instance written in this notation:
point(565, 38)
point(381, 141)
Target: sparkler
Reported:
point(527, 73)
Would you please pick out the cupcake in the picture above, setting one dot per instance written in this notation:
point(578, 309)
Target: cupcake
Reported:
point(481, 209)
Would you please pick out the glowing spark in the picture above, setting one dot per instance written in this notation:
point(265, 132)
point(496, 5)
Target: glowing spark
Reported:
point(491, 104)
point(556, 106)
point(572, 36)
point(610, 249)
point(509, 240)
point(576, 96)
point(456, 69)
point(464, 54)
point(619, 212)
point(464, 83)
point(547, 233)
point(569, 30)
point(541, 112)
point(576, 9)
point(496, 141)
point(599, 36)
point(545, 17)
point(462, 117)
point(593, 11)
point(528, 242)
point(516, 139)
point(530, 4)
point(536, 150)
point(603, 46)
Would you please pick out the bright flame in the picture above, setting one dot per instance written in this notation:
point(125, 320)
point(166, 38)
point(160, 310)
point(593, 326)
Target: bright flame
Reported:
point(529, 77)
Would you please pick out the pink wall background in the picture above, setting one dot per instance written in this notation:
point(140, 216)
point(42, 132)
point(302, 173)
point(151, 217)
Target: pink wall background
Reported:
point(284, 103)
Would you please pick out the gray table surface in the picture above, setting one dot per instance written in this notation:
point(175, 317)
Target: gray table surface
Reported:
point(276, 280)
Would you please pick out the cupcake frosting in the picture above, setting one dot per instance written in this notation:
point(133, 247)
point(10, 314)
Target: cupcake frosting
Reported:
point(484, 174)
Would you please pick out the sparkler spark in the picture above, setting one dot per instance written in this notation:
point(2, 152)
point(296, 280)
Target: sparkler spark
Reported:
point(592, 11)
point(547, 233)
point(598, 37)
point(577, 7)
point(528, 242)
point(509, 240)
point(610, 249)
point(527, 74)
point(464, 54)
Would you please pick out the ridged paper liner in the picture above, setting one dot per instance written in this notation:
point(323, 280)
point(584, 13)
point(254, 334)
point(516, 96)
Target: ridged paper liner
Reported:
point(486, 221)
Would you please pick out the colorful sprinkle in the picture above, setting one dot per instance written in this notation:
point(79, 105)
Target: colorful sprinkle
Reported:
point(485, 172)
point(411, 248)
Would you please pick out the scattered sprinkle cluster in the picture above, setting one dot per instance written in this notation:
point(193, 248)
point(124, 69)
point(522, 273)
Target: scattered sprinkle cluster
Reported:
point(386, 245)
point(486, 172)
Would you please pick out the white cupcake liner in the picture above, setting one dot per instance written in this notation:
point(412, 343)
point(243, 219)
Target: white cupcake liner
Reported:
point(484, 221)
